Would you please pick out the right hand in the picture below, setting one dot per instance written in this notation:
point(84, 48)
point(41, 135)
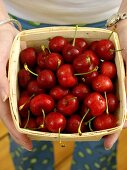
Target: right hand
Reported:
point(7, 34)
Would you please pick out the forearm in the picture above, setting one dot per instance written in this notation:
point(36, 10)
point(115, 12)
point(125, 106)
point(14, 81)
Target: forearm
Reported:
point(3, 11)
point(123, 7)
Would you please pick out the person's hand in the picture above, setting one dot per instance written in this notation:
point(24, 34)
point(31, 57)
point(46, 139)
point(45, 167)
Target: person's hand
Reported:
point(121, 29)
point(7, 34)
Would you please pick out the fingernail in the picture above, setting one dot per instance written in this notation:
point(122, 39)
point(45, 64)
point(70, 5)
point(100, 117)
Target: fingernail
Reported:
point(107, 148)
point(4, 96)
point(29, 149)
point(26, 149)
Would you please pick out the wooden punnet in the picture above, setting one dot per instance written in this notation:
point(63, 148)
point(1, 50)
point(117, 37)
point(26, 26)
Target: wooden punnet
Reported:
point(36, 37)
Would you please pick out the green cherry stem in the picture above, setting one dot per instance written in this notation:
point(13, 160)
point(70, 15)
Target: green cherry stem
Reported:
point(110, 35)
point(59, 63)
point(42, 125)
point(76, 28)
point(91, 130)
point(27, 69)
point(22, 106)
point(79, 128)
point(79, 74)
point(66, 102)
point(28, 118)
point(59, 137)
point(43, 48)
point(111, 50)
point(107, 111)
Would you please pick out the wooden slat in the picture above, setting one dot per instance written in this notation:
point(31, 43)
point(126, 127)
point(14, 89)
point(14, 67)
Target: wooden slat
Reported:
point(3, 130)
point(61, 153)
point(5, 158)
point(65, 165)
point(122, 151)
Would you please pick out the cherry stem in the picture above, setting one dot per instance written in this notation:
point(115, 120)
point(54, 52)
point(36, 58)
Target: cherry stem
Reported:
point(90, 124)
point(22, 106)
point(59, 63)
point(70, 99)
point(59, 137)
point(42, 125)
point(79, 74)
point(73, 44)
point(112, 50)
point(106, 103)
point(79, 128)
point(43, 49)
point(27, 69)
point(28, 118)
point(88, 60)
point(110, 35)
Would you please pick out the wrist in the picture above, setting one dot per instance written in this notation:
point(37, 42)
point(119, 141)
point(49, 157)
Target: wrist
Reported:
point(121, 24)
point(115, 19)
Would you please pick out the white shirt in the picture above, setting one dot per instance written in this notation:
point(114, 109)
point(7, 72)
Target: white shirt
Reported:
point(63, 11)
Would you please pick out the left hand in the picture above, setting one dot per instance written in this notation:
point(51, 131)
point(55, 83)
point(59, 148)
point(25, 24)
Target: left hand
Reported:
point(121, 29)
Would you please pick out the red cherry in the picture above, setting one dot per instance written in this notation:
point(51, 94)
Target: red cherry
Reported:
point(23, 78)
point(53, 61)
point(73, 123)
point(81, 43)
point(96, 103)
point(28, 56)
point(113, 102)
point(41, 102)
point(104, 121)
point(55, 121)
point(57, 43)
point(88, 116)
point(33, 88)
point(109, 69)
point(46, 79)
point(105, 49)
point(93, 46)
point(58, 92)
point(68, 104)
point(85, 62)
point(31, 124)
point(39, 122)
point(41, 57)
point(70, 52)
point(80, 91)
point(89, 77)
point(38, 70)
point(66, 77)
point(23, 105)
point(24, 93)
point(102, 83)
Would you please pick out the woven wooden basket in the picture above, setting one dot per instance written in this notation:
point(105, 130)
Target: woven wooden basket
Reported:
point(36, 37)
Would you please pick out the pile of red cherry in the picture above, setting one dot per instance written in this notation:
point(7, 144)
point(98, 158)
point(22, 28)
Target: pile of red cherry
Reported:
point(68, 86)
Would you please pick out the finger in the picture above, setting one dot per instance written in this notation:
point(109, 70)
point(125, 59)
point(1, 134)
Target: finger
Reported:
point(19, 138)
point(5, 47)
point(6, 38)
point(110, 140)
point(125, 124)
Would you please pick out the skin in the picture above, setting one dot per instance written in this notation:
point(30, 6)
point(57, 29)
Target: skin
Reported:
point(7, 34)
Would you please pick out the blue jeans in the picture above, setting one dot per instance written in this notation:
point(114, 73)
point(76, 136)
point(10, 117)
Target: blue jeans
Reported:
point(86, 155)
